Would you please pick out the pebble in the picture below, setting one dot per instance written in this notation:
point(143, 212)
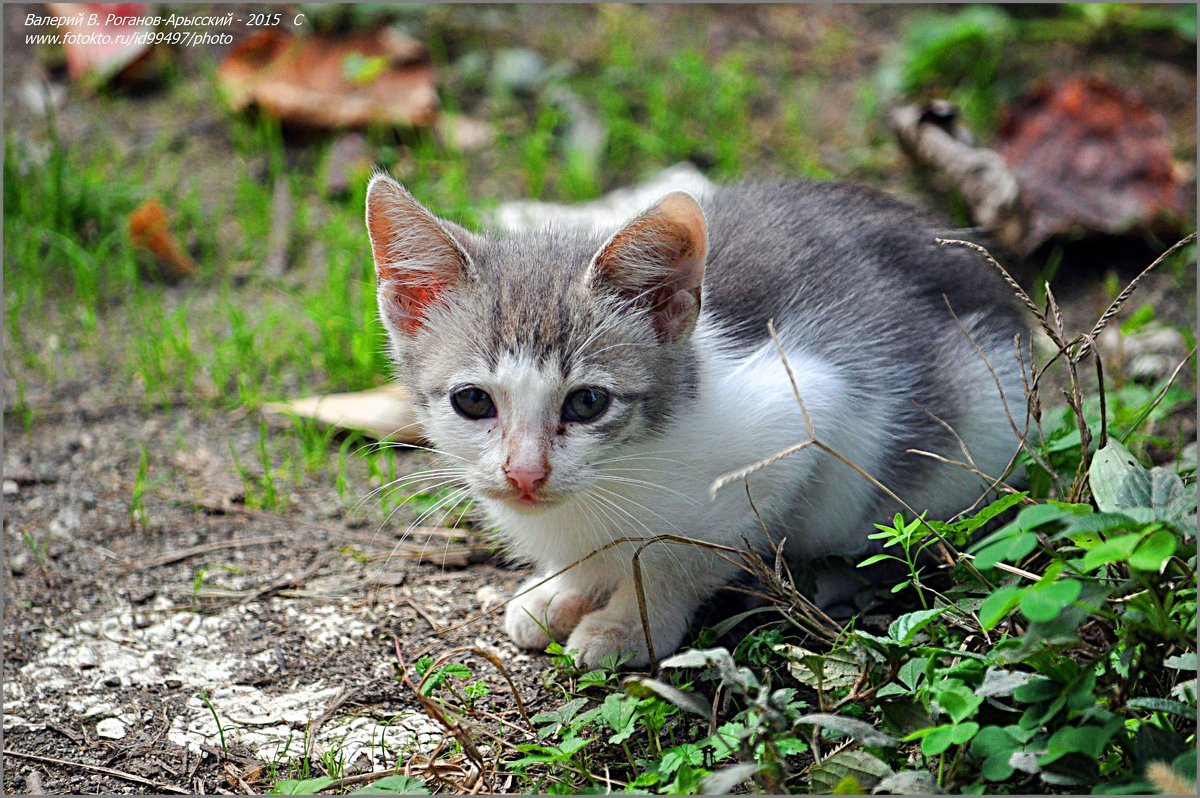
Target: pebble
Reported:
point(585, 133)
point(487, 596)
point(465, 133)
point(520, 71)
point(11, 487)
point(41, 97)
point(100, 710)
point(67, 521)
point(349, 159)
point(1149, 353)
point(87, 658)
point(110, 728)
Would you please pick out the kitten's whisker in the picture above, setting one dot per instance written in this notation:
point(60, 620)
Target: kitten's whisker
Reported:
point(381, 445)
point(463, 497)
point(604, 519)
point(390, 487)
point(455, 496)
point(386, 438)
point(401, 504)
point(637, 522)
point(647, 484)
point(638, 457)
point(640, 506)
point(624, 472)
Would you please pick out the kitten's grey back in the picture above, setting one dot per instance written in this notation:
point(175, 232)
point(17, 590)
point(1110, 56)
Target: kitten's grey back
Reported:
point(844, 257)
point(858, 278)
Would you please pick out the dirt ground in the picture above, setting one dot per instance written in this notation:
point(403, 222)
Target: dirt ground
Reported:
point(179, 656)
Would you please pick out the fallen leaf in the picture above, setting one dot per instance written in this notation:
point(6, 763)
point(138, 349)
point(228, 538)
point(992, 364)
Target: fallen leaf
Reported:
point(332, 82)
point(1091, 156)
point(385, 413)
point(866, 769)
point(98, 53)
point(149, 229)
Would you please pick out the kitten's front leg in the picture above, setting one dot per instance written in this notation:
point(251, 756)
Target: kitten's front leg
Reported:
point(556, 605)
point(616, 628)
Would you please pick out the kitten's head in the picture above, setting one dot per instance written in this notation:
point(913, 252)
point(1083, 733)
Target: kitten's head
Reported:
point(536, 357)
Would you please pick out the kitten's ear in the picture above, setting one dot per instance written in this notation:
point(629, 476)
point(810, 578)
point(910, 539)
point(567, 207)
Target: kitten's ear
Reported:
point(657, 261)
point(416, 255)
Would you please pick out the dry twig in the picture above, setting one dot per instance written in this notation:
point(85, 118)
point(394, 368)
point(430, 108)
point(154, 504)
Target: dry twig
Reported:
point(117, 774)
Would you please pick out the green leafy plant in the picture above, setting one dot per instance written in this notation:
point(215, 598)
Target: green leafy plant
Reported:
point(394, 784)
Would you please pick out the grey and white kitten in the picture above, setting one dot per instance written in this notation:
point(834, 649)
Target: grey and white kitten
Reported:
point(589, 386)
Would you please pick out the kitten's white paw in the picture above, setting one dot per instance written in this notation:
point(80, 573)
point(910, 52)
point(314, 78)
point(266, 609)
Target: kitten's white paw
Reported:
point(598, 637)
point(529, 616)
point(523, 629)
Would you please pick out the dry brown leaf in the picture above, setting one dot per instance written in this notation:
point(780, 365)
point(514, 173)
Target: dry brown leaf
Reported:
point(98, 53)
point(149, 229)
point(377, 78)
point(385, 413)
point(1090, 156)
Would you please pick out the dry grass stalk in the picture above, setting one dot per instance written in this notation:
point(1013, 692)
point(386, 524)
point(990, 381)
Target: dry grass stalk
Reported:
point(1122, 297)
point(949, 554)
point(1072, 350)
point(431, 708)
point(1167, 781)
point(492, 658)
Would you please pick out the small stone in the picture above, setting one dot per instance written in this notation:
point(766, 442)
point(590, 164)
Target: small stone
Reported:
point(361, 764)
point(1148, 353)
point(66, 522)
point(191, 622)
point(520, 71)
point(11, 487)
point(465, 133)
point(33, 783)
point(585, 133)
point(472, 70)
point(100, 710)
point(488, 596)
point(83, 443)
point(19, 563)
point(110, 728)
point(391, 579)
point(41, 97)
point(87, 658)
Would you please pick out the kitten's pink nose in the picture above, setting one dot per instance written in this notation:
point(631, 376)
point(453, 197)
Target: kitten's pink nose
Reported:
point(526, 479)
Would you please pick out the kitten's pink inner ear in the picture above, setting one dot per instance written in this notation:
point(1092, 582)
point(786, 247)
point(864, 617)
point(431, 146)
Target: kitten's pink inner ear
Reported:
point(657, 260)
point(680, 209)
point(415, 258)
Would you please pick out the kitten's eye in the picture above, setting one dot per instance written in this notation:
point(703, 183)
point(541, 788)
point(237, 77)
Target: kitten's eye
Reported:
point(473, 403)
point(586, 404)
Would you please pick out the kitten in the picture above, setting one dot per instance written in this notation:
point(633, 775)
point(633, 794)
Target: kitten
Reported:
point(588, 387)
